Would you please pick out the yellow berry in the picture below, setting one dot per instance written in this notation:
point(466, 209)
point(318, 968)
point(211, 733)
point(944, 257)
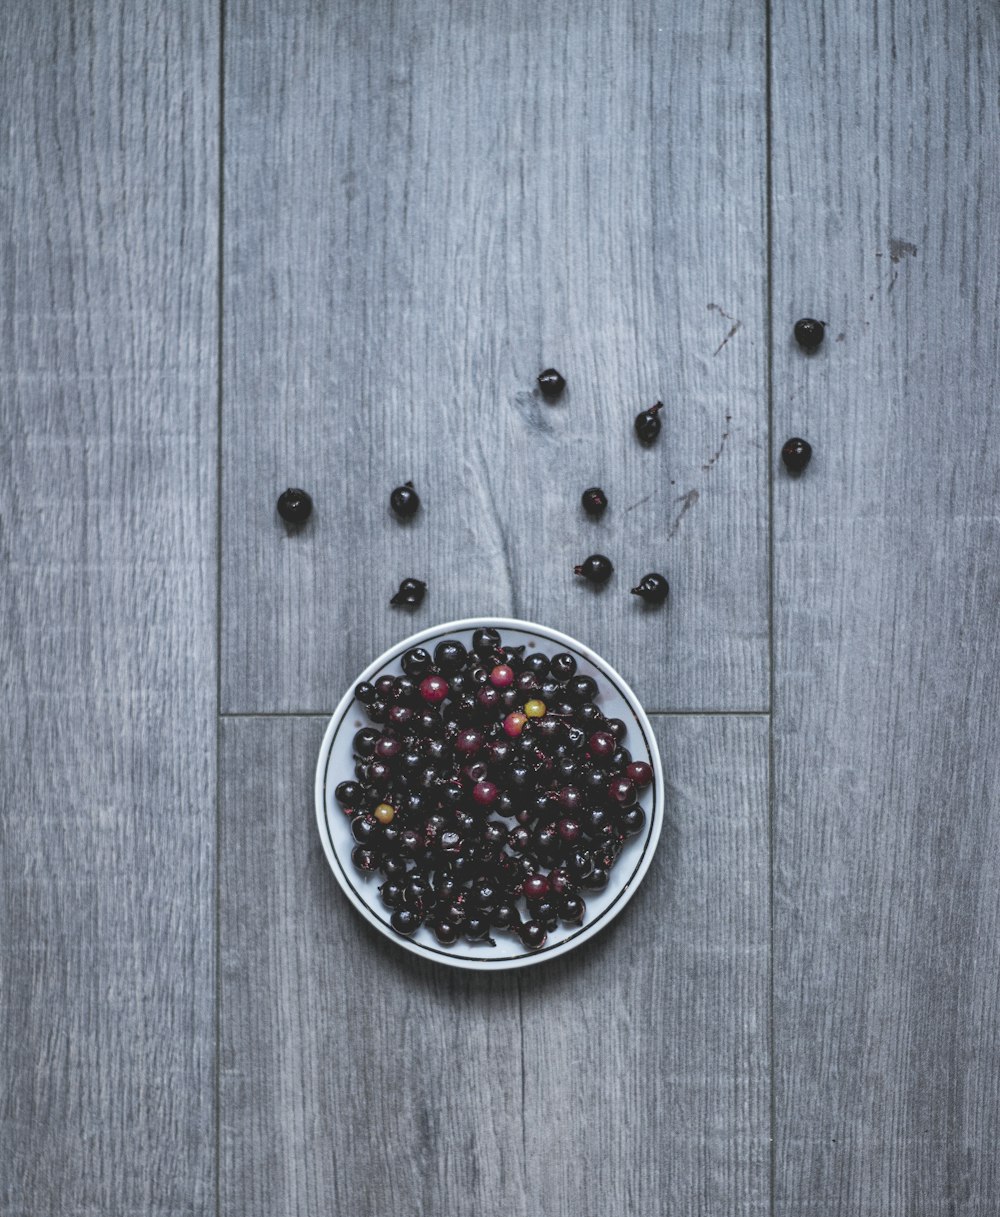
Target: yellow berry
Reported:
point(384, 813)
point(534, 708)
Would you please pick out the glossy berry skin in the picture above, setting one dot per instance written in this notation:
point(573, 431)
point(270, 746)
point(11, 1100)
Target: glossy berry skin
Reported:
point(647, 423)
point(450, 655)
point(477, 929)
point(445, 931)
point(410, 595)
point(569, 830)
point(365, 741)
point(294, 506)
point(572, 910)
point(365, 693)
point(404, 501)
point(416, 661)
point(796, 454)
point(514, 723)
point(485, 642)
point(433, 689)
point(622, 791)
point(632, 820)
point(405, 921)
point(595, 569)
point(602, 744)
point(392, 893)
point(551, 384)
point(594, 501)
point(502, 676)
point(485, 793)
point(363, 858)
point(536, 886)
point(582, 689)
point(533, 935)
point(652, 588)
point(468, 741)
point(562, 667)
point(349, 794)
point(640, 773)
point(809, 334)
point(385, 813)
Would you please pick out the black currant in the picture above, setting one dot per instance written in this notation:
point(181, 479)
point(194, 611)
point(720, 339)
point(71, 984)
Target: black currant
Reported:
point(796, 454)
point(411, 593)
point(404, 501)
point(595, 569)
point(653, 588)
point(416, 662)
point(594, 501)
point(295, 506)
point(449, 656)
point(551, 384)
point(405, 921)
point(647, 423)
point(808, 334)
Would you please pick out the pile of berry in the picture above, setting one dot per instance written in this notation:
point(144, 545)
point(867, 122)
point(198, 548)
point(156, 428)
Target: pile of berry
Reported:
point(491, 783)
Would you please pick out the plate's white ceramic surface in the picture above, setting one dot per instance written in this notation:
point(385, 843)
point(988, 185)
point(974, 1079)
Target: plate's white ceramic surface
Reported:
point(336, 763)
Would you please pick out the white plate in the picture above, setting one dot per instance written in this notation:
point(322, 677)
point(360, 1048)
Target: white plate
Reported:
point(336, 764)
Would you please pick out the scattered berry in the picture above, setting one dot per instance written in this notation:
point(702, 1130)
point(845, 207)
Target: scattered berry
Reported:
point(594, 501)
point(551, 384)
point(411, 593)
point(404, 501)
point(653, 588)
point(796, 454)
point(295, 506)
point(808, 334)
point(595, 569)
point(647, 423)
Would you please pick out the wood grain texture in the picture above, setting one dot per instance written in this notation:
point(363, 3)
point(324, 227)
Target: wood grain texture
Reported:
point(887, 640)
point(107, 599)
point(630, 1078)
point(426, 204)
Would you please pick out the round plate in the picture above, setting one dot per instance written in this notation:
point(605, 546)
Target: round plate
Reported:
point(336, 763)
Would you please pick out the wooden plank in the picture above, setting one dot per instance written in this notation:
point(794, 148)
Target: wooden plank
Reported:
point(887, 640)
point(630, 1078)
point(428, 203)
point(107, 652)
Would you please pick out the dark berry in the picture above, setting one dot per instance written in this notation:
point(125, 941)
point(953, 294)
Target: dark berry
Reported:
point(533, 935)
point(468, 741)
point(450, 655)
point(364, 858)
point(595, 569)
point(295, 506)
point(617, 728)
point(485, 642)
point(602, 744)
point(365, 693)
point(485, 793)
point(416, 661)
point(640, 773)
point(506, 916)
point(569, 830)
point(562, 667)
point(536, 886)
point(434, 689)
point(594, 501)
point(572, 910)
point(796, 454)
point(582, 689)
point(597, 879)
point(653, 588)
point(632, 820)
point(364, 829)
point(477, 929)
point(445, 931)
point(392, 893)
point(518, 840)
point(647, 423)
point(551, 384)
point(808, 334)
point(405, 921)
point(365, 741)
point(404, 501)
point(622, 791)
point(349, 794)
point(411, 593)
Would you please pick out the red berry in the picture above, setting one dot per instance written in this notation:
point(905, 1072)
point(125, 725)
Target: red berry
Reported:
point(536, 886)
point(502, 676)
point(640, 773)
point(485, 793)
point(433, 688)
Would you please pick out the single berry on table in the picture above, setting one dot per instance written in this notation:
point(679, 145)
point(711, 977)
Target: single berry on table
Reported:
point(294, 506)
point(653, 588)
point(796, 454)
point(647, 423)
point(551, 384)
point(595, 569)
point(404, 501)
point(410, 595)
point(809, 333)
point(594, 501)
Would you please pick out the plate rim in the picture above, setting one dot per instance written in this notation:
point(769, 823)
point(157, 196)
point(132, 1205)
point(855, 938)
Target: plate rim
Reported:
point(630, 885)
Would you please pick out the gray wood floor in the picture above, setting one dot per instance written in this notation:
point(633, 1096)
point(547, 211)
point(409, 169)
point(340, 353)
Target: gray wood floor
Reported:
point(332, 244)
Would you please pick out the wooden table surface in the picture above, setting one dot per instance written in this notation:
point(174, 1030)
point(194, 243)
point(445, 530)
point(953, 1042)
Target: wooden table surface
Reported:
point(331, 244)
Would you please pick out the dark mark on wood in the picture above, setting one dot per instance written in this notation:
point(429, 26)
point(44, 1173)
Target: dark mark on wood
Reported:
point(688, 501)
point(639, 504)
point(898, 249)
point(735, 327)
point(718, 452)
point(840, 337)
